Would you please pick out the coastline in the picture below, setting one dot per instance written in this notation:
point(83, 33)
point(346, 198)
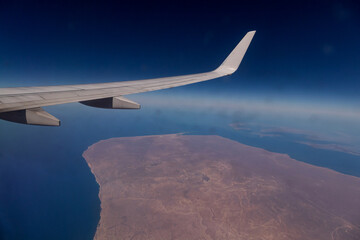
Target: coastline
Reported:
point(99, 193)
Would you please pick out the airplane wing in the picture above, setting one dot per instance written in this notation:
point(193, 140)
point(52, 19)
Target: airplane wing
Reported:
point(23, 104)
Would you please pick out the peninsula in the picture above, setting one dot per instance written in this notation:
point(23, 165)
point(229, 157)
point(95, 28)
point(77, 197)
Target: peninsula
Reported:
point(209, 187)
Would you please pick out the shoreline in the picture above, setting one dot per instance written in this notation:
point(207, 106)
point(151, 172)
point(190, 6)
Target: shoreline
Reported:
point(99, 193)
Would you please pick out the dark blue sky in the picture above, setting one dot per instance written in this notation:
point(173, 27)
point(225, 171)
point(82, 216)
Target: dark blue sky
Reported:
point(307, 47)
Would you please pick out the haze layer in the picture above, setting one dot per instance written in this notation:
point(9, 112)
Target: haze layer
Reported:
point(209, 187)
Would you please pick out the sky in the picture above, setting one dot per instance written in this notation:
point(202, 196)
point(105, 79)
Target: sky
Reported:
point(307, 49)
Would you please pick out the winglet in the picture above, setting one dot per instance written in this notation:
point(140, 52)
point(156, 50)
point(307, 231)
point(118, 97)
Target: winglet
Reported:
point(232, 62)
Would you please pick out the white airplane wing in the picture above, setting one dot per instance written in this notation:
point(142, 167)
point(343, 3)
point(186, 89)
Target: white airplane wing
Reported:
point(23, 104)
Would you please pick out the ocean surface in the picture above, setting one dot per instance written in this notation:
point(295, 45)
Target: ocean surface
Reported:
point(48, 192)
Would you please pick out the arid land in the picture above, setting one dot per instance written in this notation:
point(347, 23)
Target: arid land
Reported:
point(209, 187)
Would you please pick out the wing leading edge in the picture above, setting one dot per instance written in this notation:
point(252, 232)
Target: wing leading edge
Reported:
point(23, 104)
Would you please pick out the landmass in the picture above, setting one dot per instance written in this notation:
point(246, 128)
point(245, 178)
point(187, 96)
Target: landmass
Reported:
point(209, 187)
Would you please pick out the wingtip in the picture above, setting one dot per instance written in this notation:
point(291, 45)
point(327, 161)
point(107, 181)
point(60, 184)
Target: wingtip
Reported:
point(232, 62)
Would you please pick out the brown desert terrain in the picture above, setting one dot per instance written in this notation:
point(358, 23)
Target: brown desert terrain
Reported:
point(209, 187)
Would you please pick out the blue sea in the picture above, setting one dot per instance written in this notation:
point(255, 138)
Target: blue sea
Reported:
point(48, 192)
